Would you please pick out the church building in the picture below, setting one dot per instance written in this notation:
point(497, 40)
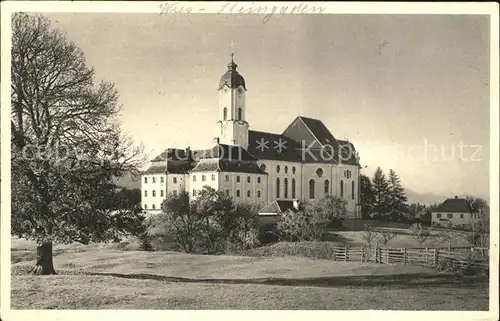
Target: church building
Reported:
point(303, 163)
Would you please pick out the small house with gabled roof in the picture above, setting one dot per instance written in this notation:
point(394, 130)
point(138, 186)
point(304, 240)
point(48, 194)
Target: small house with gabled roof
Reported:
point(453, 212)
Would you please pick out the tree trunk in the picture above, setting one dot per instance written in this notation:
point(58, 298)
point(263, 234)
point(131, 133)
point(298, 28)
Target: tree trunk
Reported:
point(44, 264)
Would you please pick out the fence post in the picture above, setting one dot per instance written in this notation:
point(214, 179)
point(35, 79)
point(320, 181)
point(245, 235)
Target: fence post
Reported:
point(405, 257)
point(346, 253)
point(436, 256)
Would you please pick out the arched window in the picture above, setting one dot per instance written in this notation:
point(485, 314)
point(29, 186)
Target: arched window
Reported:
point(278, 169)
point(311, 189)
point(145, 206)
point(327, 187)
point(225, 113)
point(341, 188)
point(263, 167)
point(352, 187)
point(240, 114)
point(286, 169)
point(154, 206)
point(285, 182)
point(277, 188)
point(145, 193)
point(293, 170)
point(293, 187)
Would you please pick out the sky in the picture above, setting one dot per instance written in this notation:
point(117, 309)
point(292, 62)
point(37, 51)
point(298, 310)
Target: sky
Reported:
point(411, 92)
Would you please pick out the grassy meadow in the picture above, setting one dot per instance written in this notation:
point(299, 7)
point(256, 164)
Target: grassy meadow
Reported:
point(116, 276)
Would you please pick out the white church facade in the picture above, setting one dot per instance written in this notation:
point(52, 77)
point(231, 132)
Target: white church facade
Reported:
point(305, 162)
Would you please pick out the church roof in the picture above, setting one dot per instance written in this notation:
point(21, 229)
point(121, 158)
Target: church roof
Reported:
point(319, 130)
point(225, 165)
point(223, 151)
point(293, 151)
point(232, 78)
point(454, 205)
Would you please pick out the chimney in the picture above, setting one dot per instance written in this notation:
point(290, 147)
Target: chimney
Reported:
point(456, 197)
point(296, 204)
point(189, 155)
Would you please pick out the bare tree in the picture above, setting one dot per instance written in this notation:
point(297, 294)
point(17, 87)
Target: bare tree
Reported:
point(66, 143)
point(386, 237)
point(419, 233)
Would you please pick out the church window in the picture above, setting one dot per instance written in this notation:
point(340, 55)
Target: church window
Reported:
point(249, 179)
point(227, 178)
point(278, 169)
point(161, 179)
point(277, 188)
point(311, 189)
point(249, 193)
point(213, 177)
point(263, 167)
point(161, 193)
point(352, 189)
point(145, 193)
point(293, 187)
point(174, 179)
point(319, 172)
point(145, 180)
point(203, 178)
point(225, 113)
point(145, 206)
point(285, 183)
point(154, 179)
point(154, 206)
point(237, 193)
point(258, 180)
point(227, 192)
point(194, 178)
point(258, 194)
point(154, 193)
point(286, 169)
point(341, 188)
point(240, 114)
point(238, 179)
point(327, 187)
point(293, 170)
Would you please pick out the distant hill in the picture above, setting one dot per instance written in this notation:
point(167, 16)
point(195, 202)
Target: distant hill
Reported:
point(424, 198)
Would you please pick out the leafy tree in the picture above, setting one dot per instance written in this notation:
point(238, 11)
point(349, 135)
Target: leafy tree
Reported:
point(367, 197)
point(310, 222)
point(210, 223)
point(180, 221)
point(216, 210)
point(397, 198)
point(480, 222)
point(66, 144)
point(381, 205)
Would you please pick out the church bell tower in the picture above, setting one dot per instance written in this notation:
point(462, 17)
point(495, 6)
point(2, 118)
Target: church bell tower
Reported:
point(232, 127)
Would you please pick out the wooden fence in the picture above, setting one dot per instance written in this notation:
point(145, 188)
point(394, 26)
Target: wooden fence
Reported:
point(477, 257)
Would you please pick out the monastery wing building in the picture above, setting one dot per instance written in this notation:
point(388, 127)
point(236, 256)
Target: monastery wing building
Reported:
point(305, 162)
